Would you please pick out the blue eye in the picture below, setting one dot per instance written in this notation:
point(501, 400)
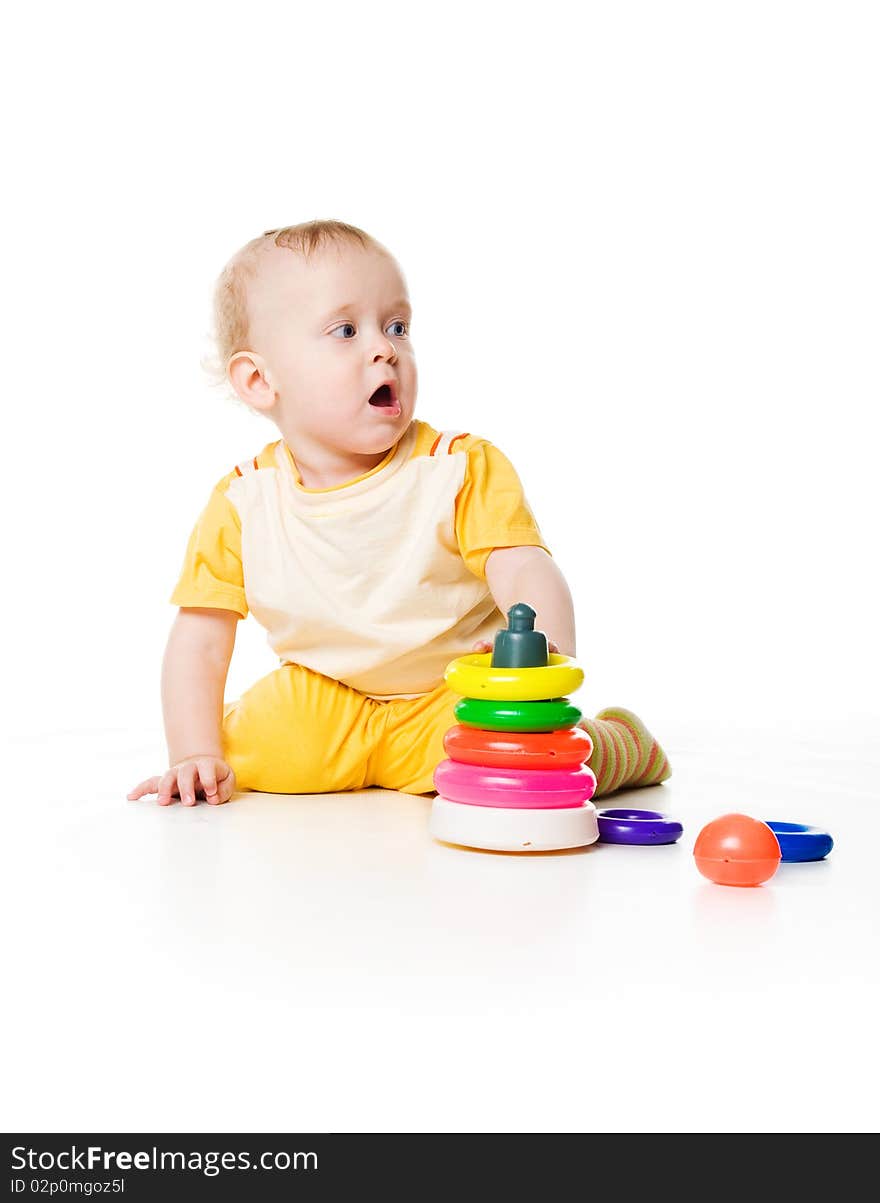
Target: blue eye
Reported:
point(350, 326)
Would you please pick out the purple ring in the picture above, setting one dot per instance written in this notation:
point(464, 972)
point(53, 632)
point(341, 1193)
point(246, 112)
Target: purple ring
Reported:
point(620, 826)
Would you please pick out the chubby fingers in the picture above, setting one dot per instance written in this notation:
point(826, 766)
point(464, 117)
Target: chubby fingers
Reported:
point(207, 770)
point(224, 785)
point(167, 787)
point(150, 786)
point(208, 779)
point(186, 783)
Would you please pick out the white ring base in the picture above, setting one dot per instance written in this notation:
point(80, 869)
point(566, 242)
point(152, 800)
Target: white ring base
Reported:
point(513, 829)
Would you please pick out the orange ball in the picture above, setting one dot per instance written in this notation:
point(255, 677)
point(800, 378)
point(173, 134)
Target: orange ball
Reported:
point(737, 850)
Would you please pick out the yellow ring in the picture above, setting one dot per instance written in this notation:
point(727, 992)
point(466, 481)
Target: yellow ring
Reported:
point(474, 677)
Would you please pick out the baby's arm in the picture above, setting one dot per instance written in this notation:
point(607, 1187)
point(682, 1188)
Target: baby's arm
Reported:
point(194, 669)
point(529, 574)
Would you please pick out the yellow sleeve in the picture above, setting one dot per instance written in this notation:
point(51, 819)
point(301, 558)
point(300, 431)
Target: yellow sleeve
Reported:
point(212, 574)
point(491, 509)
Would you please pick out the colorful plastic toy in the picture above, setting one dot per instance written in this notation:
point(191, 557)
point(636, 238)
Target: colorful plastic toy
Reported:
point(516, 778)
point(554, 714)
point(737, 850)
point(542, 788)
point(619, 826)
point(520, 645)
point(566, 748)
point(507, 829)
point(798, 842)
point(475, 677)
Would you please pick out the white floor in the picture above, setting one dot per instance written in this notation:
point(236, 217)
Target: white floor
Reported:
point(321, 964)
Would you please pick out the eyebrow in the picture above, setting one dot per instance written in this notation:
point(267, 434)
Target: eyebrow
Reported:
point(400, 303)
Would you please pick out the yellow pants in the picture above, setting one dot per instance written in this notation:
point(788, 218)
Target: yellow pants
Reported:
point(298, 732)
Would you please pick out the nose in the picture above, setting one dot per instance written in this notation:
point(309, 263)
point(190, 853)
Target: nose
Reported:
point(384, 348)
point(389, 351)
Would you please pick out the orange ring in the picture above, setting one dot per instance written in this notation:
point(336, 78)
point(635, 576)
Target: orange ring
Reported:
point(564, 749)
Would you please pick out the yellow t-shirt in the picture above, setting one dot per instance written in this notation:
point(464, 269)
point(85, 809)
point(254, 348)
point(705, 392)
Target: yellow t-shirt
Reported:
point(378, 582)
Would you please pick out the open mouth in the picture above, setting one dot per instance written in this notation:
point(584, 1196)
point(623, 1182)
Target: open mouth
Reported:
point(383, 398)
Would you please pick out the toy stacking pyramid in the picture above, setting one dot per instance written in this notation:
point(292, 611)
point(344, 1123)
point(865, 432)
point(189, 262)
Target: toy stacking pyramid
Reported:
point(516, 778)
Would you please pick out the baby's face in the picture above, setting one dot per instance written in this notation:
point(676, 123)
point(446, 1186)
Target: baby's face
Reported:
point(331, 330)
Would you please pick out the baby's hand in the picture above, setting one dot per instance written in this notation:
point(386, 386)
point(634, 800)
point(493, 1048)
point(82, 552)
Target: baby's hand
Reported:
point(482, 646)
point(206, 777)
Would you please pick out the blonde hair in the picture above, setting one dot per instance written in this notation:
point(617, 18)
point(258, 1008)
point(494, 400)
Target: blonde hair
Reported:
point(229, 310)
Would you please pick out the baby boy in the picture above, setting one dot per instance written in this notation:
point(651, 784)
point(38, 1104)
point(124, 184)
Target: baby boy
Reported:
point(372, 547)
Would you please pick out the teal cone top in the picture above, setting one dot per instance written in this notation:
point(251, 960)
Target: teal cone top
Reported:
point(520, 645)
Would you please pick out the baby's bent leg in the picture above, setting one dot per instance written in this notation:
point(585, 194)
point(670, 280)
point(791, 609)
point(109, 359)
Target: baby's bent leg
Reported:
point(625, 753)
point(298, 732)
point(412, 745)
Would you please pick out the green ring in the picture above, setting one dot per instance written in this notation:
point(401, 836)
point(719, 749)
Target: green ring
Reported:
point(553, 715)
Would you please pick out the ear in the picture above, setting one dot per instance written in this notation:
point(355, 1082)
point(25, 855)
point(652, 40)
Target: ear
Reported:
point(249, 376)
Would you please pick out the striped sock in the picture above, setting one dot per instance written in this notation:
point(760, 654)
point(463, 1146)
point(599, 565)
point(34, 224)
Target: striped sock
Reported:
point(625, 753)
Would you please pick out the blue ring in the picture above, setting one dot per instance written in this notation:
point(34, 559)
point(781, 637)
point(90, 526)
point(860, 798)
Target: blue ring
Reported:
point(799, 842)
point(620, 826)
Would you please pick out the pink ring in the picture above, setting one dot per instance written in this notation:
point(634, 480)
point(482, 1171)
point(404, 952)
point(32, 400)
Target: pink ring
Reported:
point(534, 789)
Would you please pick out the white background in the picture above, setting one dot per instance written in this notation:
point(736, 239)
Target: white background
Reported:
point(642, 247)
